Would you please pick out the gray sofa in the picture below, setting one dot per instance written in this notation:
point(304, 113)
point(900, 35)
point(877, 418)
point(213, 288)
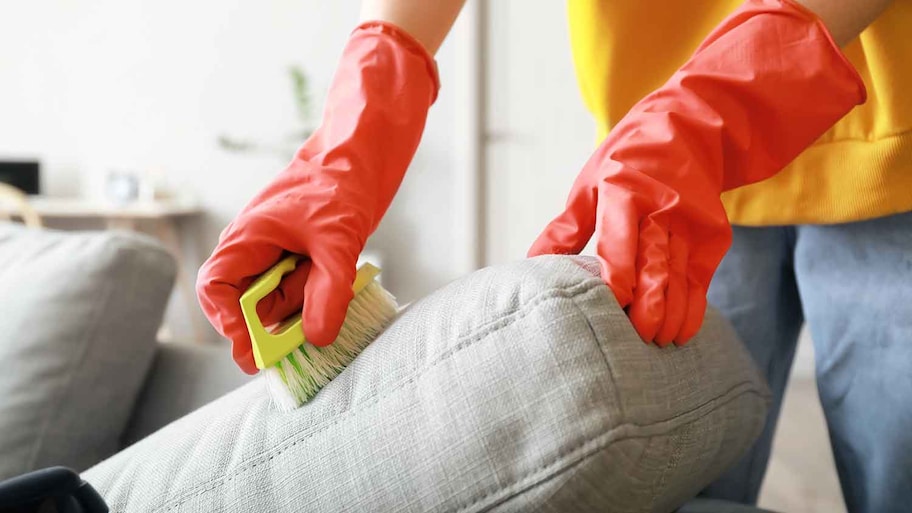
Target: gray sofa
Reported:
point(183, 377)
point(85, 375)
point(517, 388)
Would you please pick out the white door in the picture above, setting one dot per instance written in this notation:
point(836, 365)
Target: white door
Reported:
point(538, 134)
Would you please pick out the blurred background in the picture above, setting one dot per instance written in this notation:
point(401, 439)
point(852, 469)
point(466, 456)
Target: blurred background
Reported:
point(200, 99)
point(166, 117)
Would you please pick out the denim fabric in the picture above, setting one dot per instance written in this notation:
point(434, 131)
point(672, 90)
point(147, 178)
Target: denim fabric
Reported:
point(853, 284)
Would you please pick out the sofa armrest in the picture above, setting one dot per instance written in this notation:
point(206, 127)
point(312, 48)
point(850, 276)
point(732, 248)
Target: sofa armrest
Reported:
point(183, 377)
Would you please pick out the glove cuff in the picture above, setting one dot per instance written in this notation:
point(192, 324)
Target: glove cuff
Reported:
point(407, 42)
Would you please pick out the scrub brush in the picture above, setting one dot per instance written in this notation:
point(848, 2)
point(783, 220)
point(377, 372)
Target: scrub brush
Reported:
point(296, 370)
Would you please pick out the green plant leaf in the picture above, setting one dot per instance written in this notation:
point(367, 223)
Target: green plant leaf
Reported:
point(301, 90)
point(231, 144)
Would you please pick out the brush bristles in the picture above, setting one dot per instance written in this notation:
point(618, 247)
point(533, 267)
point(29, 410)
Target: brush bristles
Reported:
point(300, 375)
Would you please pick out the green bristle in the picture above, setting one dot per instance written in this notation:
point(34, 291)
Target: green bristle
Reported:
point(298, 377)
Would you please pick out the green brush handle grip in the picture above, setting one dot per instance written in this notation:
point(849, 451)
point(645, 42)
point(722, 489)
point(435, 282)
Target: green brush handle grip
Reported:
point(270, 348)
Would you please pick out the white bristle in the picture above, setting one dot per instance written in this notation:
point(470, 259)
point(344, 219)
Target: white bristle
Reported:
point(300, 375)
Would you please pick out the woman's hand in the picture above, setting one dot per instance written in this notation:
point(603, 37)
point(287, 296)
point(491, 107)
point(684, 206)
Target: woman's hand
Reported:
point(332, 195)
point(761, 88)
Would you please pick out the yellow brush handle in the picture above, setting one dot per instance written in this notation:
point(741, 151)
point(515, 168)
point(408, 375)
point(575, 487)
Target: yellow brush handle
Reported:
point(269, 348)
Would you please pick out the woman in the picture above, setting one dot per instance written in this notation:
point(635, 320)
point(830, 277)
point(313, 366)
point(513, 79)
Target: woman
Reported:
point(660, 194)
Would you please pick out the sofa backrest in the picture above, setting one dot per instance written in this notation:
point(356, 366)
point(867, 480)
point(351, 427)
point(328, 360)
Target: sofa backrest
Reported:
point(78, 316)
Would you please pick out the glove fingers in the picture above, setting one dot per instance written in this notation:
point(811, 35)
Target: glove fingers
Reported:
point(287, 298)
point(327, 293)
point(570, 231)
point(219, 285)
point(214, 296)
point(701, 265)
point(676, 294)
point(618, 231)
point(225, 276)
point(696, 309)
point(647, 311)
point(238, 261)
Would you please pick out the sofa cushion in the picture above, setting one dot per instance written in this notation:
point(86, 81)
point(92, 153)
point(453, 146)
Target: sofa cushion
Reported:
point(183, 377)
point(78, 317)
point(518, 388)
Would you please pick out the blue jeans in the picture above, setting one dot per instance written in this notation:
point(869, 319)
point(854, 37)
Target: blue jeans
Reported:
point(852, 283)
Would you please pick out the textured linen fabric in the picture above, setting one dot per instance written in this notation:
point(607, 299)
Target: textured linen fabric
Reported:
point(78, 316)
point(517, 388)
point(183, 378)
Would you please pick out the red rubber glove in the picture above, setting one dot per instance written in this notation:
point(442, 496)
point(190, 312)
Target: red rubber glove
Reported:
point(332, 195)
point(760, 89)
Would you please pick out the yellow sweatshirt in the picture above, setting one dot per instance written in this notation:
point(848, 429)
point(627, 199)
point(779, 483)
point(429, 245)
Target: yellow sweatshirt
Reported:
point(860, 169)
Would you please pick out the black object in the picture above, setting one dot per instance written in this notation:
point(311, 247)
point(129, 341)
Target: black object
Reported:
point(50, 490)
point(21, 175)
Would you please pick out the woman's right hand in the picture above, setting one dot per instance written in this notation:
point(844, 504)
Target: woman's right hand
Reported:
point(331, 197)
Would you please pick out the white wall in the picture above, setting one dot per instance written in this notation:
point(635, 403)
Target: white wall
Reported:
point(538, 131)
point(140, 84)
